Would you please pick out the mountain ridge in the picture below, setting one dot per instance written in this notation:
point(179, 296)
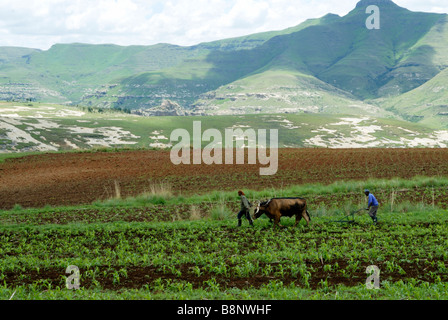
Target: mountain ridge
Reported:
point(364, 3)
point(326, 64)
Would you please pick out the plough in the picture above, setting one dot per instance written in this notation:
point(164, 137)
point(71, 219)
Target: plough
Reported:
point(349, 218)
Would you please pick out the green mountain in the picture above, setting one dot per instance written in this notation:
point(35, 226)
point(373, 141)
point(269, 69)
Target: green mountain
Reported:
point(328, 65)
point(332, 63)
point(427, 104)
point(76, 72)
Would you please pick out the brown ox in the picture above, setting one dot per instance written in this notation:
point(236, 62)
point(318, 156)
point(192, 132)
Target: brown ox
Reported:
point(283, 207)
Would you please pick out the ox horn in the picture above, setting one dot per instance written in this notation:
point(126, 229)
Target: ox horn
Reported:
point(258, 207)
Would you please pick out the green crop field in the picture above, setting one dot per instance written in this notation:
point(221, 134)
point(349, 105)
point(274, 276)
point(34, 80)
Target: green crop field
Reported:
point(168, 247)
point(93, 205)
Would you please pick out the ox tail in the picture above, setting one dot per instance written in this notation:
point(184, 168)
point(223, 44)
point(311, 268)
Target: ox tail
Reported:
point(308, 214)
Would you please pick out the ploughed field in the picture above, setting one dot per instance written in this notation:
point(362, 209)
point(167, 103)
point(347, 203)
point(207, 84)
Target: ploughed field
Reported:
point(180, 241)
point(81, 178)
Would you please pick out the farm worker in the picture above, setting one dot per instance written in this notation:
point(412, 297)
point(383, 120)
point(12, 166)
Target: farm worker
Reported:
point(245, 208)
point(372, 205)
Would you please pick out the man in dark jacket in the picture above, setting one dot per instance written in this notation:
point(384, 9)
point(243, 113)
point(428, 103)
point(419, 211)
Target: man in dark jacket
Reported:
point(372, 205)
point(245, 209)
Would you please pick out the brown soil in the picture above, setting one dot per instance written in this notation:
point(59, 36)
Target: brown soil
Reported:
point(81, 178)
point(138, 277)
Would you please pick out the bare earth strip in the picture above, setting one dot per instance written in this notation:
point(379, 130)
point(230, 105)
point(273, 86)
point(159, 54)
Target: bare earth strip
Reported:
point(81, 178)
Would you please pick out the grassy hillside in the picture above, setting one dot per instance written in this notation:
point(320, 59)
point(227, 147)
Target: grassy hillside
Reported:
point(282, 91)
point(427, 104)
point(75, 72)
point(254, 40)
point(45, 127)
point(372, 61)
point(339, 51)
point(332, 65)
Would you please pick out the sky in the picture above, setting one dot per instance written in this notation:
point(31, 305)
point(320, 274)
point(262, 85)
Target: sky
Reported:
point(42, 23)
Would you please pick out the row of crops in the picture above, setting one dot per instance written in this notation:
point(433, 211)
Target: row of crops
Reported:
point(206, 258)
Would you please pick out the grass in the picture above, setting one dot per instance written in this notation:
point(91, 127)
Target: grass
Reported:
point(221, 212)
point(161, 194)
point(195, 213)
point(17, 207)
point(295, 130)
point(426, 101)
point(161, 189)
point(310, 189)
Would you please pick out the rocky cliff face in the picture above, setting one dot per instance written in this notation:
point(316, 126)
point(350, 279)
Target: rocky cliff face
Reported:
point(167, 108)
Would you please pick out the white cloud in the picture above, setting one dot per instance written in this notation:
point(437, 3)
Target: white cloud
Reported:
point(42, 23)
